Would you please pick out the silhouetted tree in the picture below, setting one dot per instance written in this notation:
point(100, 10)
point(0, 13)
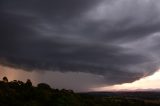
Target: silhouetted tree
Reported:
point(5, 79)
point(43, 86)
point(28, 83)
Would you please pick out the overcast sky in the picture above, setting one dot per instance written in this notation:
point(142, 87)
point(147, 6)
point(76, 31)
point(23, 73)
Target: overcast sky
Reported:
point(105, 42)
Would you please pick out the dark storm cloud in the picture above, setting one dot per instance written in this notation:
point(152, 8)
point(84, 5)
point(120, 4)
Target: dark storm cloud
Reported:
point(77, 36)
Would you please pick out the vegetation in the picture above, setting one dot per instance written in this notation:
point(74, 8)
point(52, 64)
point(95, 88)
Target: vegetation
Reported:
point(18, 93)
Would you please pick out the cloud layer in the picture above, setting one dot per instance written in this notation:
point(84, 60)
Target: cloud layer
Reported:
point(117, 39)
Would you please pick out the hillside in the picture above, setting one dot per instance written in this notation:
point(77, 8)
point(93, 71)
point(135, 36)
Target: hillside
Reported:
point(18, 93)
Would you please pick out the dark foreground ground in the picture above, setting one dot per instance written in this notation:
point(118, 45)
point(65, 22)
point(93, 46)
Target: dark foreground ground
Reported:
point(18, 93)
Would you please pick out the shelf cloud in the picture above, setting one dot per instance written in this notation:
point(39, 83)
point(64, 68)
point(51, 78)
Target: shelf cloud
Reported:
point(117, 39)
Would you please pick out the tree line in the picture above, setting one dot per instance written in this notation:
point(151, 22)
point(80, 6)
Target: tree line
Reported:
point(18, 93)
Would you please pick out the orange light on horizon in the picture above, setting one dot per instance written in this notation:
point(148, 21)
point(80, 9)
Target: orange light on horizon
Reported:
point(17, 74)
point(149, 82)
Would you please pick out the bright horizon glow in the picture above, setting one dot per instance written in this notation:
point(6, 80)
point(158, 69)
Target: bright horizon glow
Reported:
point(146, 83)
